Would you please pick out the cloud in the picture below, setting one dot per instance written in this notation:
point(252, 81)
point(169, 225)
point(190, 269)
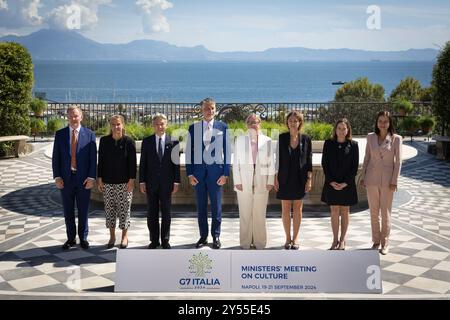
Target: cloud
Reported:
point(78, 14)
point(153, 20)
point(3, 5)
point(20, 13)
point(386, 39)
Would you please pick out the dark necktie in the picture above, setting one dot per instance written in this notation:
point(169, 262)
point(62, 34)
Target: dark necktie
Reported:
point(160, 150)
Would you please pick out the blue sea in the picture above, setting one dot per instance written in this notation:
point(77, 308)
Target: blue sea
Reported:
point(120, 81)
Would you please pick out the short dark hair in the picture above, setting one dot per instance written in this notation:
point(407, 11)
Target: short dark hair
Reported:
point(391, 129)
point(347, 123)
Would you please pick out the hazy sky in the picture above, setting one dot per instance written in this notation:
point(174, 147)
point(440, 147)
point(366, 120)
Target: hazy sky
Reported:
point(242, 25)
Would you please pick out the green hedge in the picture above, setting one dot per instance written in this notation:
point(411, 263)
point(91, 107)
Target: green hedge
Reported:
point(316, 130)
point(16, 82)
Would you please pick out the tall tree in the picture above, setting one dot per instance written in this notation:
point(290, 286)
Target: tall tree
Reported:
point(408, 89)
point(441, 88)
point(360, 90)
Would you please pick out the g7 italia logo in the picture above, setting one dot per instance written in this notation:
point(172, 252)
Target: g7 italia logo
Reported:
point(200, 264)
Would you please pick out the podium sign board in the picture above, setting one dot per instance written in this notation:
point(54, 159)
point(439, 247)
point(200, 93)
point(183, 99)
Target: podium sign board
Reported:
point(355, 271)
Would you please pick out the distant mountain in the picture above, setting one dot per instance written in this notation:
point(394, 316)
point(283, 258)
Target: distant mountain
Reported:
point(69, 45)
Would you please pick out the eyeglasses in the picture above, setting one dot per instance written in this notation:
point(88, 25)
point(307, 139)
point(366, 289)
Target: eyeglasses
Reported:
point(253, 122)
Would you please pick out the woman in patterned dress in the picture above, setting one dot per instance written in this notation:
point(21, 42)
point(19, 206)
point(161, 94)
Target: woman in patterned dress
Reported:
point(115, 178)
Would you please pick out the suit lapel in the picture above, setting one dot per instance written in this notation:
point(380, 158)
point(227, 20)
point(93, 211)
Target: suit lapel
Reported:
point(152, 146)
point(81, 136)
point(215, 130)
point(167, 144)
point(386, 146)
point(66, 134)
point(203, 134)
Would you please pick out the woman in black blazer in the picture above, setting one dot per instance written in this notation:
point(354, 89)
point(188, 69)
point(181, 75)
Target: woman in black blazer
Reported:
point(340, 160)
point(294, 176)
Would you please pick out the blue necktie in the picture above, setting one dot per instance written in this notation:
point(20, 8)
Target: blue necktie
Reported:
point(160, 151)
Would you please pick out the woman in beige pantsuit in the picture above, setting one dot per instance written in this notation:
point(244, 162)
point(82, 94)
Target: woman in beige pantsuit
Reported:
point(381, 168)
point(253, 176)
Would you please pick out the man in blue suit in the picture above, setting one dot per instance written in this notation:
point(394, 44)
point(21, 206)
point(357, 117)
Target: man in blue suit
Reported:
point(208, 167)
point(74, 165)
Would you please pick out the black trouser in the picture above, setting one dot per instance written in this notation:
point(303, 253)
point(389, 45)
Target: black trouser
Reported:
point(156, 200)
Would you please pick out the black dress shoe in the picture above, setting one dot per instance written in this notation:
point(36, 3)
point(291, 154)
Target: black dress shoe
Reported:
point(216, 244)
point(111, 243)
point(68, 244)
point(124, 245)
point(84, 244)
point(153, 245)
point(166, 245)
point(201, 242)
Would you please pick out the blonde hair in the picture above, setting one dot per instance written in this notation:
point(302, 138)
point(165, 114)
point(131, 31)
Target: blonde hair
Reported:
point(252, 115)
point(117, 117)
point(73, 107)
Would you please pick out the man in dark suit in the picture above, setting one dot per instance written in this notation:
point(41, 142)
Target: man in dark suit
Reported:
point(208, 167)
point(159, 177)
point(74, 165)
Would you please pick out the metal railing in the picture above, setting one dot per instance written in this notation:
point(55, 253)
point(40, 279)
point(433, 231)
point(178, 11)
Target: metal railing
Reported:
point(360, 114)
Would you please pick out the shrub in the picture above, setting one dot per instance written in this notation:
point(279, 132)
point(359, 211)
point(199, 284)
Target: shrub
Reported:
point(408, 89)
point(102, 131)
point(441, 88)
point(54, 124)
point(409, 126)
point(360, 90)
point(318, 130)
point(37, 126)
point(16, 82)
point(273, 129)
point(427, 124)
point(38, 106)
point(137, 131)
point(403, 106)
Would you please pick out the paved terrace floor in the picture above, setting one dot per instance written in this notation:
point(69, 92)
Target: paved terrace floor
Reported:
point(32, 231)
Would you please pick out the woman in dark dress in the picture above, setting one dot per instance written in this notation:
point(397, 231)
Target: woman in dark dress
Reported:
point(294, 176)
point(115, 178)
point(340, 160)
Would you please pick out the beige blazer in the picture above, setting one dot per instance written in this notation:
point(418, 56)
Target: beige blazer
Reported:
point(253, 179)
point(382, 164)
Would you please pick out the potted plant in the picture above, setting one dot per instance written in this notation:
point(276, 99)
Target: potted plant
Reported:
point(410, 125)
point(403, 107)
point(427, 124)
point(37, 126)
point(38, 106)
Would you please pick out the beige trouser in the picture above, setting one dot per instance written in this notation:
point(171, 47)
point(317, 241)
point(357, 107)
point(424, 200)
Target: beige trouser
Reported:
point(252, 219)
point(380, 205)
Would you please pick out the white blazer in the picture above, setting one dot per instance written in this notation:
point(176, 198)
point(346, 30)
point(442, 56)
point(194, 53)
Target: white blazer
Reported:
point(253, 178)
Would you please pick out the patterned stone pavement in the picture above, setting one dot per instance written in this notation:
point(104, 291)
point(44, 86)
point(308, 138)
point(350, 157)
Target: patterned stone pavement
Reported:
point(32, 231)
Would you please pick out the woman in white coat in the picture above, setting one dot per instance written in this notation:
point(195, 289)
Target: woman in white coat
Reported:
point(253, 176)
